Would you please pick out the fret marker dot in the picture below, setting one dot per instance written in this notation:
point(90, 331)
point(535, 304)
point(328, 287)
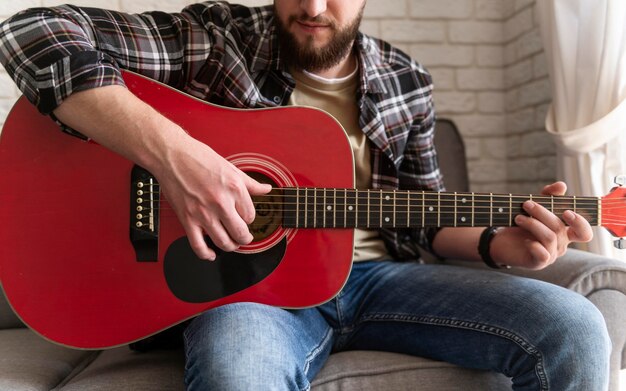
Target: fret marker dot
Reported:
point(463, 200)
point(463, 219)
point(350, 207)
point(387, 198)
point(386, 219)
point(500, 210)
point(329, 207)
point(430, 208)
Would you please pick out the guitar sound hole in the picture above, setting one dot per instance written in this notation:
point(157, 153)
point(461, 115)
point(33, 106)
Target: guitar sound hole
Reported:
point(269, 210)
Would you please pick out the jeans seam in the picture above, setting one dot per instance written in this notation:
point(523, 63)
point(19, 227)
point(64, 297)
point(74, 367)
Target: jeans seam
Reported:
point(470, 325)
point(314, 353)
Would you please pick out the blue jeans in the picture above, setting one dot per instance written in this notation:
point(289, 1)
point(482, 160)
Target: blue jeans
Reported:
point(542, 336)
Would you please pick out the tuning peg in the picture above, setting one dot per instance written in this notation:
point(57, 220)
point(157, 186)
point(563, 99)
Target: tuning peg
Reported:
point(620, 180)
point(620, 243)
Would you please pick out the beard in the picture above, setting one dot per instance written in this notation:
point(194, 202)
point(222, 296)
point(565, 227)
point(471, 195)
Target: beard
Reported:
point(305, 56)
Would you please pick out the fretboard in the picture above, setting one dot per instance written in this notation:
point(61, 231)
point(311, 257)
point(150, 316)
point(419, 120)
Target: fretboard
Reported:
point(350, 208)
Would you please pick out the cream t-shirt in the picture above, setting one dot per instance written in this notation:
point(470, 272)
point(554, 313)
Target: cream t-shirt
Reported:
point(338, 97)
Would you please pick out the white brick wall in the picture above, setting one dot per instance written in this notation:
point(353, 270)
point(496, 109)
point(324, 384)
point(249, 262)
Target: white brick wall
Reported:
point(486, 60)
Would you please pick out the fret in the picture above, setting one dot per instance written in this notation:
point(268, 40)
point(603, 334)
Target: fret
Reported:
point(362, 204)
point(368, 210)
point(415, 204)
point(511, 209)
point(394, 209)
point(387, 209)
point(552, 203)
point(461, 208)
point(314, 208)
point(329, 208)
point(408, 210)
point(431, 212)
point(306, 211)
point(575, 204)
point(380, 217)
point(490, 209)
point(352, 208)
point(401, 209)
point(438, 209)
point(473, 210)
point(324, 209)
point(297, 207)
point(501, 212)
point(311, 209)
point(318, 207)
point(290, 213)
point(482, 210)
point(345, 207)
point(446, 209)
point(423, 208)
point(334, 207)
point(455, 208)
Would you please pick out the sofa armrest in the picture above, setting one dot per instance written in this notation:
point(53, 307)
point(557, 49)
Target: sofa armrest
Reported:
point(582, 272)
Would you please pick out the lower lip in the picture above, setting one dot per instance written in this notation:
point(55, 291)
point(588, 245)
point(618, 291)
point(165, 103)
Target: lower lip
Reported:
point(311, 29)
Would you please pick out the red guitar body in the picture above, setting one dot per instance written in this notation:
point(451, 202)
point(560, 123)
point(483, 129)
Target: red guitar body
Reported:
point(68, 267)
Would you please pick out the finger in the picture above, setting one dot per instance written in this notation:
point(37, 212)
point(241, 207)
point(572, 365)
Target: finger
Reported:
point(244, 205)
point(198, 245)
point(236, 228)
point(545, 216)
point(220, 237)
point(556, 188)
point(544, 235)
point(579, 229)
point(255, 187)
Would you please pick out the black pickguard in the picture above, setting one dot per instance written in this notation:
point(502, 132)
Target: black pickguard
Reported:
point(194, 280)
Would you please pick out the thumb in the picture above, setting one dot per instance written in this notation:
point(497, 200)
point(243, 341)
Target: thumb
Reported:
point(557, 189)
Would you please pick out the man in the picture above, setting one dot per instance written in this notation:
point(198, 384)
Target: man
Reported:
point(66, 60)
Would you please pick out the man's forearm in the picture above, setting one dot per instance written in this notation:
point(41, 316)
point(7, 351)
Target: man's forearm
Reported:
point(118, 120)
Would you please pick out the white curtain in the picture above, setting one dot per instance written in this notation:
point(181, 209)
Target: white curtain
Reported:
point(585, 45)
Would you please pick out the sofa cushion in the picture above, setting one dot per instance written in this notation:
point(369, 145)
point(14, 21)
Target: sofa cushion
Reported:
point(28, 362)
point(369, 371)
point(123, 369)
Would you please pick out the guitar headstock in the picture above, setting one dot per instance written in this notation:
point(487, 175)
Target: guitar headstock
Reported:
point(613, 211)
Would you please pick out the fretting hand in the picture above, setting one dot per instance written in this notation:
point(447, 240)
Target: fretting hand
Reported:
point(540, 238)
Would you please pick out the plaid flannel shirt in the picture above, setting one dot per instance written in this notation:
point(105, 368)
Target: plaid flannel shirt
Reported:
point(228, 55)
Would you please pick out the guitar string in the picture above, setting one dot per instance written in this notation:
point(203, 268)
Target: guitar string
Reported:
point(562, 203)
point(418, 193)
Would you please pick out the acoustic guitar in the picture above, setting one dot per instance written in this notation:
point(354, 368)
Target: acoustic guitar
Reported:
point(93, 256)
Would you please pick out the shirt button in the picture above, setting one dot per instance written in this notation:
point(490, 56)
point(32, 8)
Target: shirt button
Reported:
point(276, 99)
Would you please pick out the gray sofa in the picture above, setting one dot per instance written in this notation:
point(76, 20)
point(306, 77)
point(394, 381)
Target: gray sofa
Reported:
point(28, 362)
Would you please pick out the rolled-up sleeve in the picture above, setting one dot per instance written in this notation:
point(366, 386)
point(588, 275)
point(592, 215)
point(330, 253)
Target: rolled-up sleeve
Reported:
point(53, 52)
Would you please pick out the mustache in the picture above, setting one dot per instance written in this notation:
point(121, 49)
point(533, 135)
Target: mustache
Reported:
point(319, 19)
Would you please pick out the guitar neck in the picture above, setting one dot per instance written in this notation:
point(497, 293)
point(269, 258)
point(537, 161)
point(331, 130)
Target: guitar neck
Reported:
point(350, 208)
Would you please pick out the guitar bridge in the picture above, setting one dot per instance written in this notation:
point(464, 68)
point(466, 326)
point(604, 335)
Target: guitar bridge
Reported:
point(144, 215)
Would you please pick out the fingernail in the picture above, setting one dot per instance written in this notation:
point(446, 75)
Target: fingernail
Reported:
point(519, 219)
point(528, 205)
point(569, 216)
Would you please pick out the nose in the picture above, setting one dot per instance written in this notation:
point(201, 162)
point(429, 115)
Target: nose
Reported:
point(313, 8)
